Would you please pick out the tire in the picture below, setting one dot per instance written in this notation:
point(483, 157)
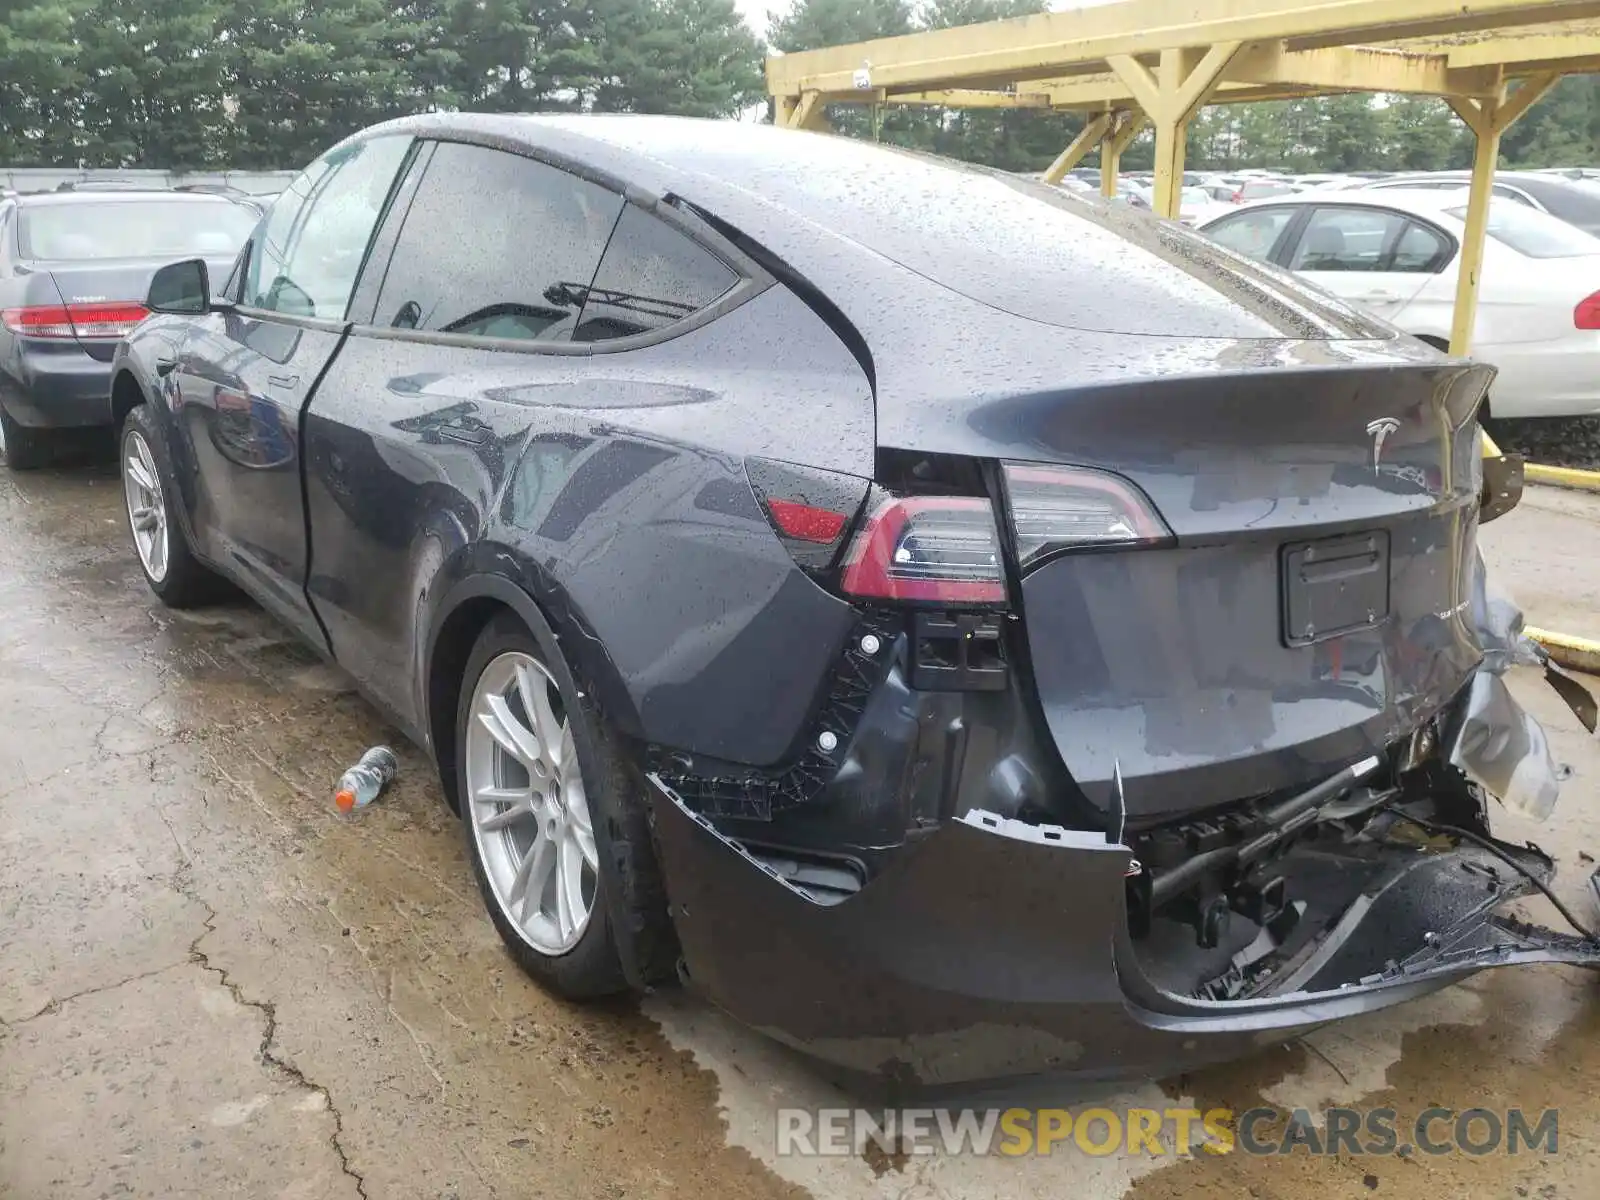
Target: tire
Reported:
point(177, 578)
point(581, 959)
point(25, 449)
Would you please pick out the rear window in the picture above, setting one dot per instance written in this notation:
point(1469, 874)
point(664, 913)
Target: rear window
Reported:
point(170, 229)
point(1573, 202)
point(496, 245)
point(651, 276)
point(1040, 253)
point(1535, 234)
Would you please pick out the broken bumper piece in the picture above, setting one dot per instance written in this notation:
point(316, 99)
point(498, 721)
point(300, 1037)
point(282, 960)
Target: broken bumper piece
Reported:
point(992, 949)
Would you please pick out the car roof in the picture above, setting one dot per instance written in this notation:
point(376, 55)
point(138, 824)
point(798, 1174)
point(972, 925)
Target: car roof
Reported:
point(117, 196)
point(1424, 202)
point(1531, 181)
point(952, 280)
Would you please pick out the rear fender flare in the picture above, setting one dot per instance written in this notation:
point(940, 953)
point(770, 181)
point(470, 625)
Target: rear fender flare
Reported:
point(637, 948)
point(528, 592)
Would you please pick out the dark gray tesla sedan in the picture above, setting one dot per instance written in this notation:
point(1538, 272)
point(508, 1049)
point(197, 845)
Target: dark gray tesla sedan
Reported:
point(964, 629)
point(74, 270)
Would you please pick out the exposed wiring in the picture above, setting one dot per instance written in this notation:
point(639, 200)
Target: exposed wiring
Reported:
point(1484, 843)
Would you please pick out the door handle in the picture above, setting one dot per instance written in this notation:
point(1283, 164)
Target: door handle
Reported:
point(1379, 297)
point(469, 435)
point(284, 381)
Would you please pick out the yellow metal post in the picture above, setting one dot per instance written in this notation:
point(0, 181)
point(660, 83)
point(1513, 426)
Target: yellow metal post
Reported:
point(1088, 137)
point(1488, 118)
point(1171, 130)
point(1470, 264)
point(1126, 129)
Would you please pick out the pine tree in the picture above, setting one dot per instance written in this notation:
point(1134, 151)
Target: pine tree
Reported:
point(38, 83)
point(687, 57)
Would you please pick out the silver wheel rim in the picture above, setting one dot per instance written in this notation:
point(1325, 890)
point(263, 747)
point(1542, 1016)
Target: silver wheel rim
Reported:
point(147, 512)
point(527, 806)
point(2, 437)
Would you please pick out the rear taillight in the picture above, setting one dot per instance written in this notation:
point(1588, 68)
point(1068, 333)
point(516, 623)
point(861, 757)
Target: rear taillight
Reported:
point(806, 522)
point(808, 508)
point(938, 548)
point(1587, 314)
point(1056, 509)
point(98, 320)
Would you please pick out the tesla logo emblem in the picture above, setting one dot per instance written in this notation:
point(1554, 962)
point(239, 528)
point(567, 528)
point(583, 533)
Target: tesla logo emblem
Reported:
point(1380, 431)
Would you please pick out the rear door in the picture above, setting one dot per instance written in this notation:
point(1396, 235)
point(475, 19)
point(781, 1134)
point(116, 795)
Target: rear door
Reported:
point(1373, 257)
point(246, 373)
point(404, 449)
point(489, 330)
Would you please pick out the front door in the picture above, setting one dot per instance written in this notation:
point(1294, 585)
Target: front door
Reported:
point(408, 441)
point(246, 373)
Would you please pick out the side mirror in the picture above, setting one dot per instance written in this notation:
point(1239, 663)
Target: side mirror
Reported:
point(181, 287)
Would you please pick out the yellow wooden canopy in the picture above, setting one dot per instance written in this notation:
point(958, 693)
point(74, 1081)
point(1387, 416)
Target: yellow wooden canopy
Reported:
point(1160, 61)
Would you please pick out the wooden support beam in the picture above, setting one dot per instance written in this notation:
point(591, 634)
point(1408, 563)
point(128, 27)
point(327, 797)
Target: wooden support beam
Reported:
point(1171, 98)
point(1561, 43)
point(1359, 68)
point(1488, 118)
point(1045, 45)
point(1094, 129)
point(1127, 126)
point(808, 112)
point(970, 98)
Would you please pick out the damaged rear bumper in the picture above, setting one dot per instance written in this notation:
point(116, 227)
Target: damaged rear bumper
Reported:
point(983, 948)
point(992, 949)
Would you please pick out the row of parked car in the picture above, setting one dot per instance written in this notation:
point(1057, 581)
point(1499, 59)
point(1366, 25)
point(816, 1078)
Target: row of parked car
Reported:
point(1389, 243)
point(965, 631)
point(75, 266)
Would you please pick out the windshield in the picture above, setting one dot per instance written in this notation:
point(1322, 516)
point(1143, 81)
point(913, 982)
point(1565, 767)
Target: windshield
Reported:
point(1195, 195)
point(1533, 233)
point(153, 228)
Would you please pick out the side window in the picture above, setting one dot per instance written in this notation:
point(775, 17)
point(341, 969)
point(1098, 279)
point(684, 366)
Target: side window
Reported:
point(1346, 239)
point(308, 250)
point(1252, 233)
point(1421, 249)
point(651, 276)
point(496, 245)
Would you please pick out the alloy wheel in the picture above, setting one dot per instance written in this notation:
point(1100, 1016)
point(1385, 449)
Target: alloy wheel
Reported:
point(527, 806)
point(147, 510)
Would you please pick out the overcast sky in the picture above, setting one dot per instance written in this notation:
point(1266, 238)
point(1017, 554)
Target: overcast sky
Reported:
point(755, 13)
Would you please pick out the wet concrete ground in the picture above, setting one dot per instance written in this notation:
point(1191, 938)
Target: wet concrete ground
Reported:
point(212, 984)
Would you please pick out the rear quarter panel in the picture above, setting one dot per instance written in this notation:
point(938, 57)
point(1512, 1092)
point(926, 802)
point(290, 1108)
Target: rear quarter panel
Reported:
point(610, 488)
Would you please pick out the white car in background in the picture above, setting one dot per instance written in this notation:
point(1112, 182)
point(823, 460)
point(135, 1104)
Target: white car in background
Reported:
point(1395, 253)
point(1196, 206)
